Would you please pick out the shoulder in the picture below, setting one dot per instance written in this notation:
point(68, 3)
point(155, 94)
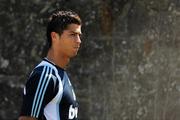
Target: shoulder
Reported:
point(43, 68)
point(44, 65)
point(42, 75)
point(46, 69)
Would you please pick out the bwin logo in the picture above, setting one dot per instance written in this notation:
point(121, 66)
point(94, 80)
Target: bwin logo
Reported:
point(73, 112)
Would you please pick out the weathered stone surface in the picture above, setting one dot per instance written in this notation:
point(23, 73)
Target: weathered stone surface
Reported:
point(128, 67)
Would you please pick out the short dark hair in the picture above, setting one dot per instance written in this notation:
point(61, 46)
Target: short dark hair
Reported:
point(58, 22)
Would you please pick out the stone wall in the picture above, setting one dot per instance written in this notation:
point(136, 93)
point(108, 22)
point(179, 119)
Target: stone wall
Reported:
point(128, 67)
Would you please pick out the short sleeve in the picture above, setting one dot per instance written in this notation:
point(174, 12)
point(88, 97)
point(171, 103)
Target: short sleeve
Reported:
point(38, 92)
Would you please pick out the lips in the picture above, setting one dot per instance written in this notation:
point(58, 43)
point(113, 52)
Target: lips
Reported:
point(77, 48)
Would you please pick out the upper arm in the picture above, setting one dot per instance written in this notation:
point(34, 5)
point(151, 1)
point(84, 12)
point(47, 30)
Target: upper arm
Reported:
point(39, 90)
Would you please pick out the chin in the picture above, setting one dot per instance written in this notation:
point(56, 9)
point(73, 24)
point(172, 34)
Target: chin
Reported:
point(73, 55)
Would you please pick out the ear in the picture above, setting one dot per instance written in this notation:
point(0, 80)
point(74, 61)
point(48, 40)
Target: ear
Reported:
point(54, 36)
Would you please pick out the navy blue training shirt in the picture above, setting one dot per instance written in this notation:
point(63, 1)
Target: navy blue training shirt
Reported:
point(48, 94)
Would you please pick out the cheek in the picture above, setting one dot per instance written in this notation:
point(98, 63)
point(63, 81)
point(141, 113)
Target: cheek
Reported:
point(66, 45)
point(69, 42)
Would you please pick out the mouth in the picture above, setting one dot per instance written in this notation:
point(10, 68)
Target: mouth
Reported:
point(77, 47)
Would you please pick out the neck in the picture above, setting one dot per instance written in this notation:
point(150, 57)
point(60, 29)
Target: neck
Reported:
point(59, 60)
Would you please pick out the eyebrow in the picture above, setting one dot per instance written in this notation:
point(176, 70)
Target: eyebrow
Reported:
point(75, 32)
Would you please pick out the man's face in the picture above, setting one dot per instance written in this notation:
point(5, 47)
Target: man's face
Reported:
point(68, 43)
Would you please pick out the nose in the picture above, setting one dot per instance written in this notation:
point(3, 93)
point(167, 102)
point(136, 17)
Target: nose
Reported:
point(78, 40)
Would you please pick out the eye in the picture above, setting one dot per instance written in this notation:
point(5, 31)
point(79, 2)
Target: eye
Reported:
point(73, 34)
point(76, 35)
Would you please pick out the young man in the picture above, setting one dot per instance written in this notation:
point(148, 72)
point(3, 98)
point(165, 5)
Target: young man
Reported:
point(48, 94)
